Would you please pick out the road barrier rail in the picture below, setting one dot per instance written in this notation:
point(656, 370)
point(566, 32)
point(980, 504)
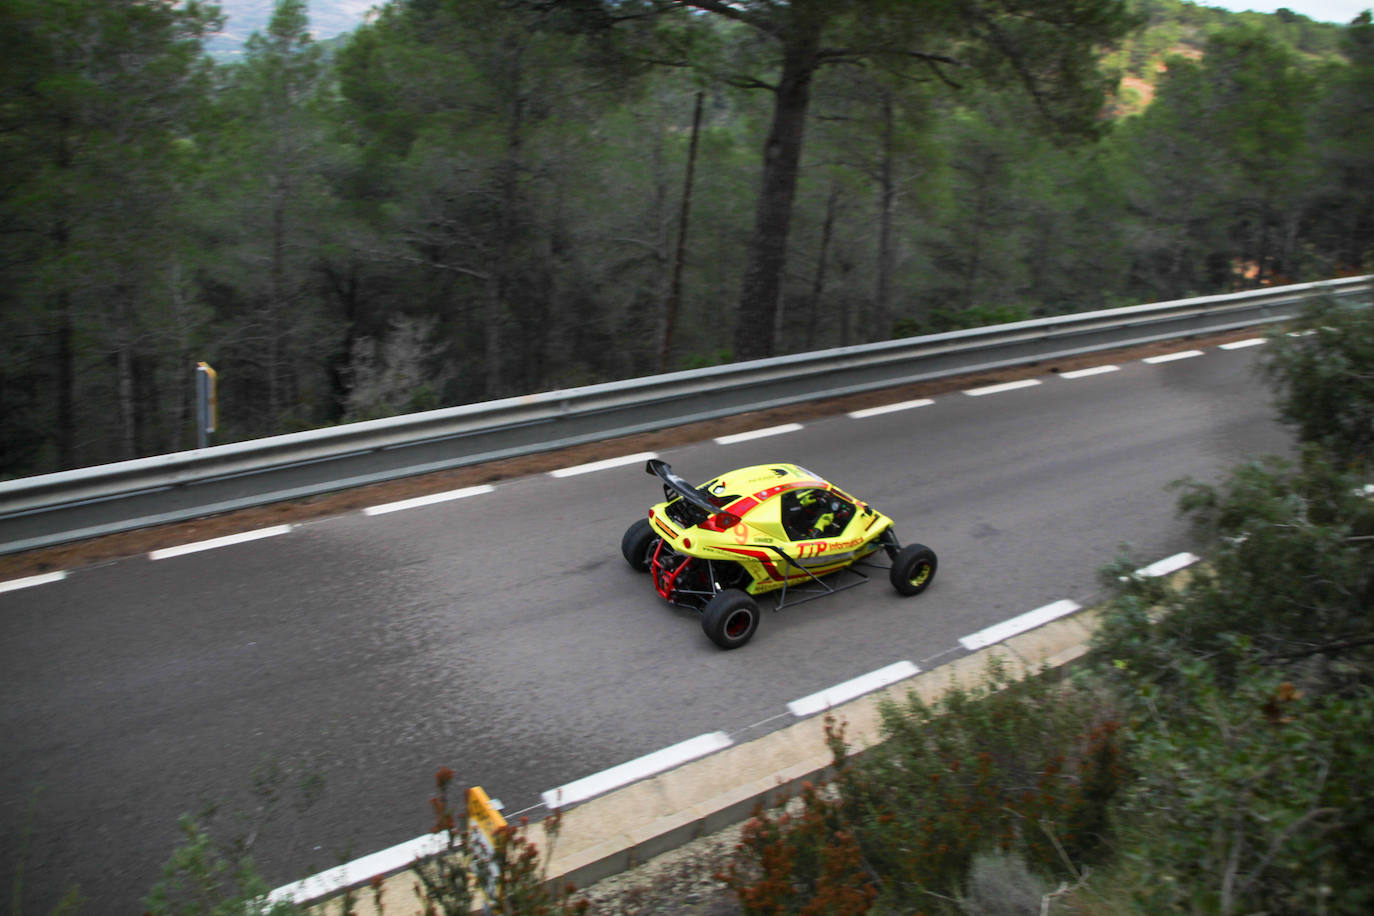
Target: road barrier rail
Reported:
point(71, 505)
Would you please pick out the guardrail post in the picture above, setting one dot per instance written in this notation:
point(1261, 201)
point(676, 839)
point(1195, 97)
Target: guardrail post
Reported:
point(207, 403)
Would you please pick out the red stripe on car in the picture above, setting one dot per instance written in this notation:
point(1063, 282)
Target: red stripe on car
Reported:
point(742, 505)
point(757, 555)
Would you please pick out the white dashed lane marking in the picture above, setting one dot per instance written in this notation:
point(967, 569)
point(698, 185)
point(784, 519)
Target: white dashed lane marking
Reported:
point(640, 768)
point(1167, 565)
point(378, 863)
point(31, 581)
point(429, 500)
point(1085, 373)
point(758, 434)
point(225, 541)
point(1027, 621)
point(605, 465)
point(843, 693)
point(998, 389)
point(889, 408)
point(666, 759)
point(1170, 357)
point(1242, 344)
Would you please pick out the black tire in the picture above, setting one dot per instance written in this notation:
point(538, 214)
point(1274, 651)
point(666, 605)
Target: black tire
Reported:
point(913, 569)
point(730, 618)
point(638, 545)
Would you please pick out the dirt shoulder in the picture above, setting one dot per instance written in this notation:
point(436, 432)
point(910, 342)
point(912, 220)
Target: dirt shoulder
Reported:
point(131, 543)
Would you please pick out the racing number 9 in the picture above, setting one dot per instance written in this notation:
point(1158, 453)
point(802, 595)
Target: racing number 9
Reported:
point(741, 533)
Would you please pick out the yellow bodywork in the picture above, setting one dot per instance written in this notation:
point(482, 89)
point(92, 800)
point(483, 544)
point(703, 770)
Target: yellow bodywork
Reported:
point(779, 522)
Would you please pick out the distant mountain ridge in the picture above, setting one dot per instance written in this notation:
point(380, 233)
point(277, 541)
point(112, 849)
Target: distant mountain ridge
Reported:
point(328, 18)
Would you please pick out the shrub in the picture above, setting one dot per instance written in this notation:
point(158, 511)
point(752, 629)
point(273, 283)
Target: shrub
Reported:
point(1324, 379)
point(1249, 797)
point(1018, 767)
point(1289, 584)
point(514, 883)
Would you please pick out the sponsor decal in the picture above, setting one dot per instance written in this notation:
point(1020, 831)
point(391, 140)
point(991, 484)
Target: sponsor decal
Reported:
point(818, 548)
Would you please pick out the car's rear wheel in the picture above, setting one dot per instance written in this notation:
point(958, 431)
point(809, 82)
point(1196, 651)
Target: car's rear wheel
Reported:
point(913, 569)
point(730, 618)
point(638, 545)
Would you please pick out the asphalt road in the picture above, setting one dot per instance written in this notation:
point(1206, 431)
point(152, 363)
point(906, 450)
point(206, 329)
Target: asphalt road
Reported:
point(306, 686)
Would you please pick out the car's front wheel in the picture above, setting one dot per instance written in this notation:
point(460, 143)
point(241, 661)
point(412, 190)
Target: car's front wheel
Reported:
point(638, 545)
point(730, 618)
point(913, 569)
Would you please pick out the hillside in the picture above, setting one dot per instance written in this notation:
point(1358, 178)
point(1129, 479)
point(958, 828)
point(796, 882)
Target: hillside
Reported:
point(1173, 28)
point(328, 18)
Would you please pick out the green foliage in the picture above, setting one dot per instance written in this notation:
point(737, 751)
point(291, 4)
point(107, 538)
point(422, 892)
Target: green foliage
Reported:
point(516, 883)
point(1220, 164)
point(1215, 758)
point(1344, 140)
point(1026, 768)
point(702, 360)
point(200, 879)
point(1252, 795)
point(977, 316)
point(1250, 687)
point(513, 172)
point(1323, 373)
point(1290, 582)
point(397, 375)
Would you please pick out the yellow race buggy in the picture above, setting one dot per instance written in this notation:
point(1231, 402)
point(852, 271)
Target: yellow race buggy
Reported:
point(774, 529)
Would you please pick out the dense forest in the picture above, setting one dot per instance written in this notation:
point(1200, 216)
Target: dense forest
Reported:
point(469, 199)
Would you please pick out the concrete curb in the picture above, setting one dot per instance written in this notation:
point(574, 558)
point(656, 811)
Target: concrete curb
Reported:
point(624, 828)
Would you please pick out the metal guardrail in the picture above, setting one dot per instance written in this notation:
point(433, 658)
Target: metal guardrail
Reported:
point(71, 505)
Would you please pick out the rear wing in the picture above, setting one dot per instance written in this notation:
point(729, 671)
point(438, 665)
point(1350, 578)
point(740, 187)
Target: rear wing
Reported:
point(672, 483)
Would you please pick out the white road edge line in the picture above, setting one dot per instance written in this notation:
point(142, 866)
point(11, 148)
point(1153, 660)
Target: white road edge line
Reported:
point(634, 770)
point(605, 465)
point(225, 541)
point(1170, 357)
point(339, 877)
point(889, 408)
point(998, 389)
point(857, 687)
point(1241, 344)
point(758, 434)
point(402, 855)
point(30, 581)
point(1084, 373)
point(429, 500)
point(1167, 565)
point(1027, 621)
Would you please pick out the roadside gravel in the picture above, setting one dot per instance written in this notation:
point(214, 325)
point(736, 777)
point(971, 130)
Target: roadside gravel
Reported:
point(680, 882)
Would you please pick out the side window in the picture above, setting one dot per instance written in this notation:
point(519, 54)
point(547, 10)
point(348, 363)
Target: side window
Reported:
point(814, 513)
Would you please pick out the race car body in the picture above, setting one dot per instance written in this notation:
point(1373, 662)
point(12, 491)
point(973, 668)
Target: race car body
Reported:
point(771, 528)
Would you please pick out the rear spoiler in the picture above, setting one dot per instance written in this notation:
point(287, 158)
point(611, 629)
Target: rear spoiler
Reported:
point(673, 482)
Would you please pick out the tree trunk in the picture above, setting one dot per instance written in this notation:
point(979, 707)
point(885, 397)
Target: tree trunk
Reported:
point(275, 308)
point(124, 384)
point(822, 258)
point(509, 226)
point(66, 330)
point(66, 384)
point(767, 257)
point(887, 200)
point(680, 251)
